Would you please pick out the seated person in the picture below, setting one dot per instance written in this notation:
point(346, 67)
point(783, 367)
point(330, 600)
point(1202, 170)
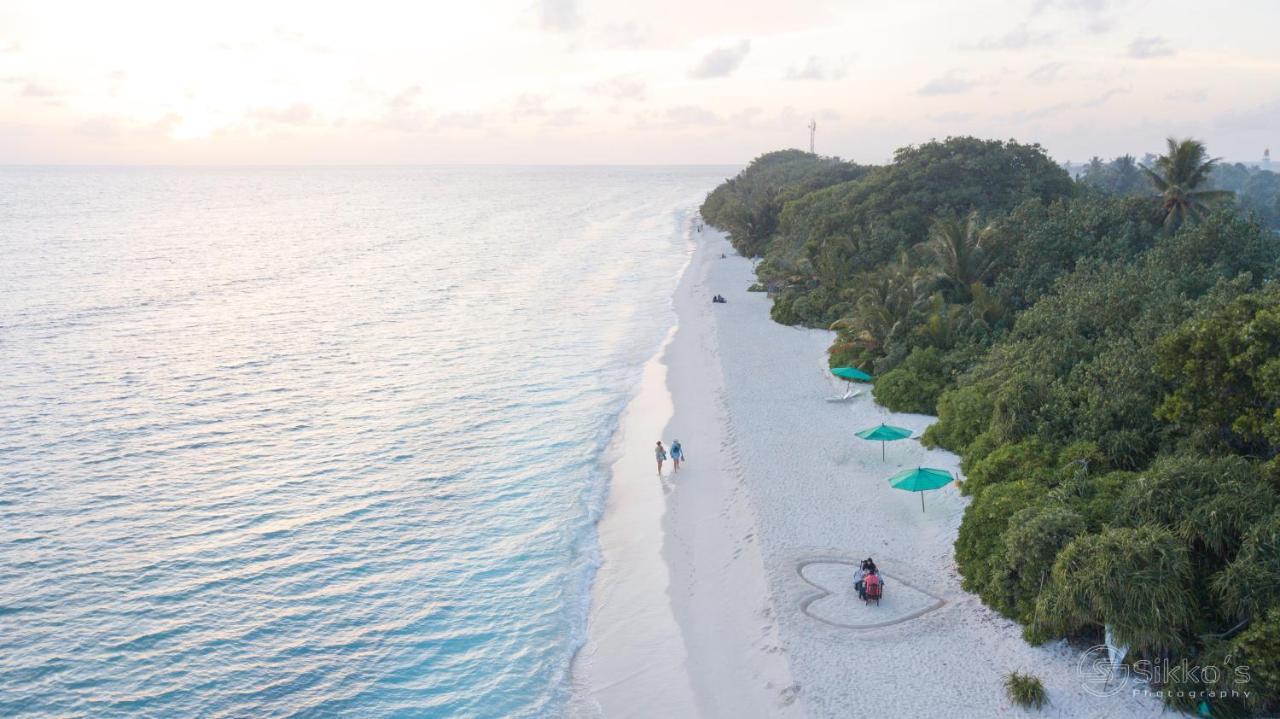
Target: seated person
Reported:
point(858, 584)
point(873, 586)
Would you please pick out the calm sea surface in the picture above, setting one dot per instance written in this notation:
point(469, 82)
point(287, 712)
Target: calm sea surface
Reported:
point(315, 442)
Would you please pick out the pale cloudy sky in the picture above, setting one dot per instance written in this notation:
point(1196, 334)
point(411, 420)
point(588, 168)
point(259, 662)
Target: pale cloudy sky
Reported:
point(603, 81)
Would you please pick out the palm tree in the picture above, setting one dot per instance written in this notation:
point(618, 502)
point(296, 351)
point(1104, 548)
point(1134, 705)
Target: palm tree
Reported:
point(882, 307)
point(1177, 177)
point(964, 251)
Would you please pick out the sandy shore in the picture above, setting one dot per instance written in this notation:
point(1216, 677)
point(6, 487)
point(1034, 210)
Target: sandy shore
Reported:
point(680, 623)
point(724, 590)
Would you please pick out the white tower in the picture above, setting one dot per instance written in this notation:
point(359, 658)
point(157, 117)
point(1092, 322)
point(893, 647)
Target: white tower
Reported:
point(1266, 159)
point(813, 127)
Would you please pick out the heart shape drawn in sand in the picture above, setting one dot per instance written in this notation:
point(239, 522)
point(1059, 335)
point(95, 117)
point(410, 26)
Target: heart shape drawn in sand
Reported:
point(837, 602)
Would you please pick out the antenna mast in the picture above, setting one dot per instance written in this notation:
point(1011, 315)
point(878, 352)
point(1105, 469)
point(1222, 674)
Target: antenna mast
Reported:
point(813, 128)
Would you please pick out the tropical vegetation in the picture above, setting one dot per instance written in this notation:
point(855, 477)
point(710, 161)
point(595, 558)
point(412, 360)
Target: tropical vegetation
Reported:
point(1105, 357)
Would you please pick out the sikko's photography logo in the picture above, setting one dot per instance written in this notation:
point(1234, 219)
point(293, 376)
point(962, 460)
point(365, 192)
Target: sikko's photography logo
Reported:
point(1100, 675)
point(1103, 674)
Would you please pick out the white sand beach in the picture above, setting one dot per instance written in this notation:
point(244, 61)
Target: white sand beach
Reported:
point(725, 590)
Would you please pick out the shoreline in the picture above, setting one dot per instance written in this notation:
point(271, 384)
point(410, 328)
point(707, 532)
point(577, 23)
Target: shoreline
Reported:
point(659, 641)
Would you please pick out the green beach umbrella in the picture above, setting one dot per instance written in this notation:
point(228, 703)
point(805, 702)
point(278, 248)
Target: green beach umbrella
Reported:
point(921, 479)
point(850, 375)
point(884, 433)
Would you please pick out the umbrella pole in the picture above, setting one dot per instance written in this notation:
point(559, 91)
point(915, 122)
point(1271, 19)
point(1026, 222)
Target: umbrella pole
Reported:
point(882, 451)
point(922, 502)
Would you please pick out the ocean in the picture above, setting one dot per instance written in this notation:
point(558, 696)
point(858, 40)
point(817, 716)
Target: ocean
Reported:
point(315, 442)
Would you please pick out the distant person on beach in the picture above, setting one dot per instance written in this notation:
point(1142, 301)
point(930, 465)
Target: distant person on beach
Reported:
point(677, 454)
point(660, 454)
point(858, 576)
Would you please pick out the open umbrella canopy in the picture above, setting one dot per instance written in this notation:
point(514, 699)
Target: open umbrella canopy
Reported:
point(884, 433)
point(851, 373)
point(921, 479)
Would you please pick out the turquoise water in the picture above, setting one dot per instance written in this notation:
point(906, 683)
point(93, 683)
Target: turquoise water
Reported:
point(315, 442)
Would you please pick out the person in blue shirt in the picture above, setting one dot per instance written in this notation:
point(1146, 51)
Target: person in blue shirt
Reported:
point(677, 454)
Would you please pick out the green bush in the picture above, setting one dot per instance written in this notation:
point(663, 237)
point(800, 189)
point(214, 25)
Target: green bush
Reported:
point(1256, 651)
point(1250, 585)
point(964, 413)
point(915, 385)
point(1032, 541)
point(1025, 690)
point(982, 529)
point(1096, 580)
point(1028, 459)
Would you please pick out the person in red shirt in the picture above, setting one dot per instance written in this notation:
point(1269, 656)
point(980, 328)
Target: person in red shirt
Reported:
point(872, 586)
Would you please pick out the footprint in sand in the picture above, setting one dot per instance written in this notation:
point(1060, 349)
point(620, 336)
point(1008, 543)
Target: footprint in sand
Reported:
point(837, 603)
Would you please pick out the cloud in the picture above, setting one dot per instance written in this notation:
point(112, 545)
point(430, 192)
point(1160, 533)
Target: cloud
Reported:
point(1036, 114)
point(952, 116)
point(165, 125)
point(692, 115)
point(948, 84)
point(1046, 73)
point(1150, 46)
point(1104, 97)
point(563, 117)
point(558, 15)
point(621, 89)
point(1019, 38)
point(461, 120)
point(721, 62)
point(234, 46)
point(1085, 5)
point(1095, 11)
point(9, 47)
point(1260, 118)
point(816, 68)
point(530, 105)
point(292, 37)
point(32, 89)
point(1196, 96)
point(99, 128)
point(299, 113)
point(783, 120)
point(627, 35)
point(403, 111)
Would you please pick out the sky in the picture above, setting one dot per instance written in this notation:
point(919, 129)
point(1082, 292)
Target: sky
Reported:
point(618, 82)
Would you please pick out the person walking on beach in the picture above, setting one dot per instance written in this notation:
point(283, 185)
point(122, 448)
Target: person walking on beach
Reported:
point(660, 454)
point(677, 454)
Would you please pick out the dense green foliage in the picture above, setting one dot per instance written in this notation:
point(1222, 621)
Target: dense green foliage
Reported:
point(748, 206)
point(1256, 190)
point(1109, 376)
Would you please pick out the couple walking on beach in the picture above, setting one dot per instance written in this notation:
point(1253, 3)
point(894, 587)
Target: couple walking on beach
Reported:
point(677, 454)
